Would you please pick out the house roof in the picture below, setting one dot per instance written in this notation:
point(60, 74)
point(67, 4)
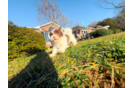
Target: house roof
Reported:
point(37, 28)
point(91, 27)
point(107, 26)
point(78, 27)
point(43, 25)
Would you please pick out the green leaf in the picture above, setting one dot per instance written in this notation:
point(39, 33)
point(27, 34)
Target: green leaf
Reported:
point(89, 67)
point(101, 70)
point(122, 49)
point(84, 77)
point(72, 84)
point(76, 77)
point(82, 85)
point(109, 55)
point(96, 84)
point(89, 51)
point(79, 81)
point(123, 63)
point(66, 78)
point(78, 74)
point(118, 74)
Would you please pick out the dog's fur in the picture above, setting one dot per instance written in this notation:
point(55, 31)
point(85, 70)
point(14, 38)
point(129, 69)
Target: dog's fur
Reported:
point(61, 39)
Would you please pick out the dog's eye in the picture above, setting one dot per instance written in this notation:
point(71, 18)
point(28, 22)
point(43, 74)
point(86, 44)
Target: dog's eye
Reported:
point(51, 34)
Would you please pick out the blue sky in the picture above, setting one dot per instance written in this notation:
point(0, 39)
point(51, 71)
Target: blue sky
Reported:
point(23, 12)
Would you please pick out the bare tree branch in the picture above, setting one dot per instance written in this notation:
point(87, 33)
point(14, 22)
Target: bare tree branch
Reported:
point(93, 24)
point(48, 11)
point(109, 4)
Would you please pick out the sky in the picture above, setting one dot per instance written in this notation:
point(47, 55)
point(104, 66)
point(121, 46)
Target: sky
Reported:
point(24, 13)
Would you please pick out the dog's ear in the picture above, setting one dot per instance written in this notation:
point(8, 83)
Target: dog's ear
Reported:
point(60, 28)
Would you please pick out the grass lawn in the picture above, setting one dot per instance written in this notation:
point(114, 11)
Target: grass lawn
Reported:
point(98, 63)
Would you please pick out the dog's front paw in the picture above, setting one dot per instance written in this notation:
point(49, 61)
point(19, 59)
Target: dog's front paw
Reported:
point(51, 55)
point(75, 44)
point(68, 46)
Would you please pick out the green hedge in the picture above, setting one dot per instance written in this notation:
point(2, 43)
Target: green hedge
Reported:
point(102, 32)
point(23, 41)
point(118, 30)
point(109, 32)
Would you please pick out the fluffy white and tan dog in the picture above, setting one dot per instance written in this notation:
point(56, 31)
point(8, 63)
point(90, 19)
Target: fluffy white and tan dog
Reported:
point(61, 39)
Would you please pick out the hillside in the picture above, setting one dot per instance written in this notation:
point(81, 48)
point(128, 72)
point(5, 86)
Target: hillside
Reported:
point(98, 62)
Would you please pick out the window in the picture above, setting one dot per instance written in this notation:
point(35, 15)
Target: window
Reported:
point(42, 33)
point(84, 32)
point(46, 36)
point(79, 31)
point(51, 28)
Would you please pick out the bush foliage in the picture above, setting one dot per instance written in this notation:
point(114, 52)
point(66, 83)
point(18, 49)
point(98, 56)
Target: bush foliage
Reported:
point(109, 32)
point(102, 32)
point(118, 30)
point(23, 41)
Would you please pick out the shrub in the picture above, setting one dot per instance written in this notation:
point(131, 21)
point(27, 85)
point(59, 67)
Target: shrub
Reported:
point(102, 32)
point(23, 41)
point(92, 33)
point(109, 32)
point(118, 30)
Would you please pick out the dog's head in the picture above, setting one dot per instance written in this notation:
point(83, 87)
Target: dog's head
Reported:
point(56, 34)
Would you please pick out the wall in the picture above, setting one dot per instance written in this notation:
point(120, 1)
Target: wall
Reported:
point(46, 28)
point(89, 30)
point(80, 34)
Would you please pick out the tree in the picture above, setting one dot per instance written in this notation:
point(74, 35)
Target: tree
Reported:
point(120, 19)
point(48, 11)
point(93, 24)
point(10, 22)
point(112, 4)
point(99, 23)
point(111, 22)
point(119, 6)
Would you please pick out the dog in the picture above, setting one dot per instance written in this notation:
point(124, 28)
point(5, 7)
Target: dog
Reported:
point(61, 39)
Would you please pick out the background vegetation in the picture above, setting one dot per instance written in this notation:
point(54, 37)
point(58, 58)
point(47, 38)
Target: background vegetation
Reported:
point(104, 32)
point(23, 41)
point(117, 22)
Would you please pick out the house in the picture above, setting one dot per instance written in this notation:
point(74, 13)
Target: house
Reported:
point(44, 29)
point(100, 27)
point(106, 27)
point(80, 31)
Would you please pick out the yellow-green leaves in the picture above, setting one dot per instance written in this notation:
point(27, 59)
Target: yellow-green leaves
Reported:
point(23, 41)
